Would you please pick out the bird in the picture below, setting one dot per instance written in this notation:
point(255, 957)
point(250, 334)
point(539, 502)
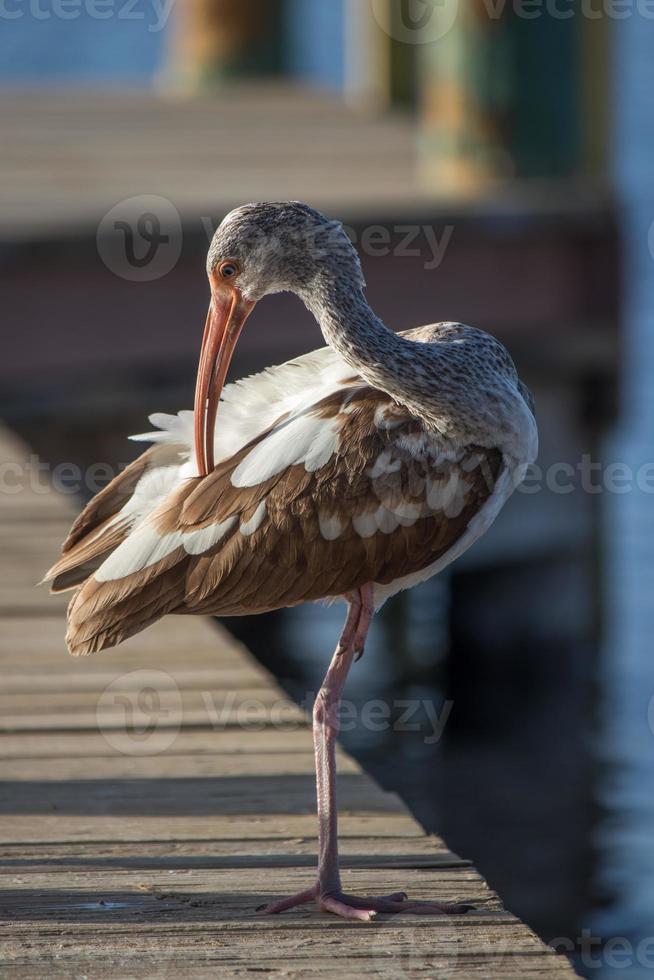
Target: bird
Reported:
point(349, 473)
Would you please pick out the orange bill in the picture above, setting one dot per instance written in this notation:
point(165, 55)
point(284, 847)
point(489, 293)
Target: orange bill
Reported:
point(227, 314)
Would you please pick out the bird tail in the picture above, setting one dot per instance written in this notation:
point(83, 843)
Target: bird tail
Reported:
point(103, 614)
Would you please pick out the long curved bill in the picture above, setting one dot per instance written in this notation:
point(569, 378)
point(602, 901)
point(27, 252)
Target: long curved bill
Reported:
point(227, 314)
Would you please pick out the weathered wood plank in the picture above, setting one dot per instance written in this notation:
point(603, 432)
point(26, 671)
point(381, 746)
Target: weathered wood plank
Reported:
point(378, 852)
point(32, 828)
point(214, 797)
point(162, 767)
point(202, 741)
point(38, 645)
point(313, 964)
point(73, 681)
point(161, 706)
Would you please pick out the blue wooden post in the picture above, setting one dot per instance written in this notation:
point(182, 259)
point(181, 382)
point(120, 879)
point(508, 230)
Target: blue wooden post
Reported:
point(315, 41)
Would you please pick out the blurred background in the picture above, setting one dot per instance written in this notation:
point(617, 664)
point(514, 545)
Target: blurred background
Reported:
point(493, 161)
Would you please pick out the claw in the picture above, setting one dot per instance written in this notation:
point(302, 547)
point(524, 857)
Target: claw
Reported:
point(365, 909)
point(290, 903)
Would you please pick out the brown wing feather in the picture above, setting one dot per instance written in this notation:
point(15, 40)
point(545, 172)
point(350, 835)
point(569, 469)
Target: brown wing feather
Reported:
point(114, 496)
point(287, 560)
point(83, 558)
point(92, 537)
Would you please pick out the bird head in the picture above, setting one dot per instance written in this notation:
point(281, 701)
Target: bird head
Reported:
point(260, 249)
point(280, 247)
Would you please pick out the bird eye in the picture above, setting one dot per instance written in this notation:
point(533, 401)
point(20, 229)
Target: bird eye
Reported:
point(229, 269)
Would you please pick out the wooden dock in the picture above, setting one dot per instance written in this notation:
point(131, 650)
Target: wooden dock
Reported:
point(154, 796)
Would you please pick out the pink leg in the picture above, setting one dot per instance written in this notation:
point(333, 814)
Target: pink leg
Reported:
point(367, 611)
point(327, 891)
point(354, 607)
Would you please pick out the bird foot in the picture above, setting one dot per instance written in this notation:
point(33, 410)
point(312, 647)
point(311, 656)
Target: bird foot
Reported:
point(364, 909)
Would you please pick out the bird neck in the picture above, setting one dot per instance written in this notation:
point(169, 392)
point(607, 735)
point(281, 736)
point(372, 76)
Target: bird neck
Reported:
point(463, 385)
point(350, 326)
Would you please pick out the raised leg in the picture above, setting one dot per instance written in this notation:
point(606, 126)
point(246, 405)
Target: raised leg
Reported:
point(327, 891)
